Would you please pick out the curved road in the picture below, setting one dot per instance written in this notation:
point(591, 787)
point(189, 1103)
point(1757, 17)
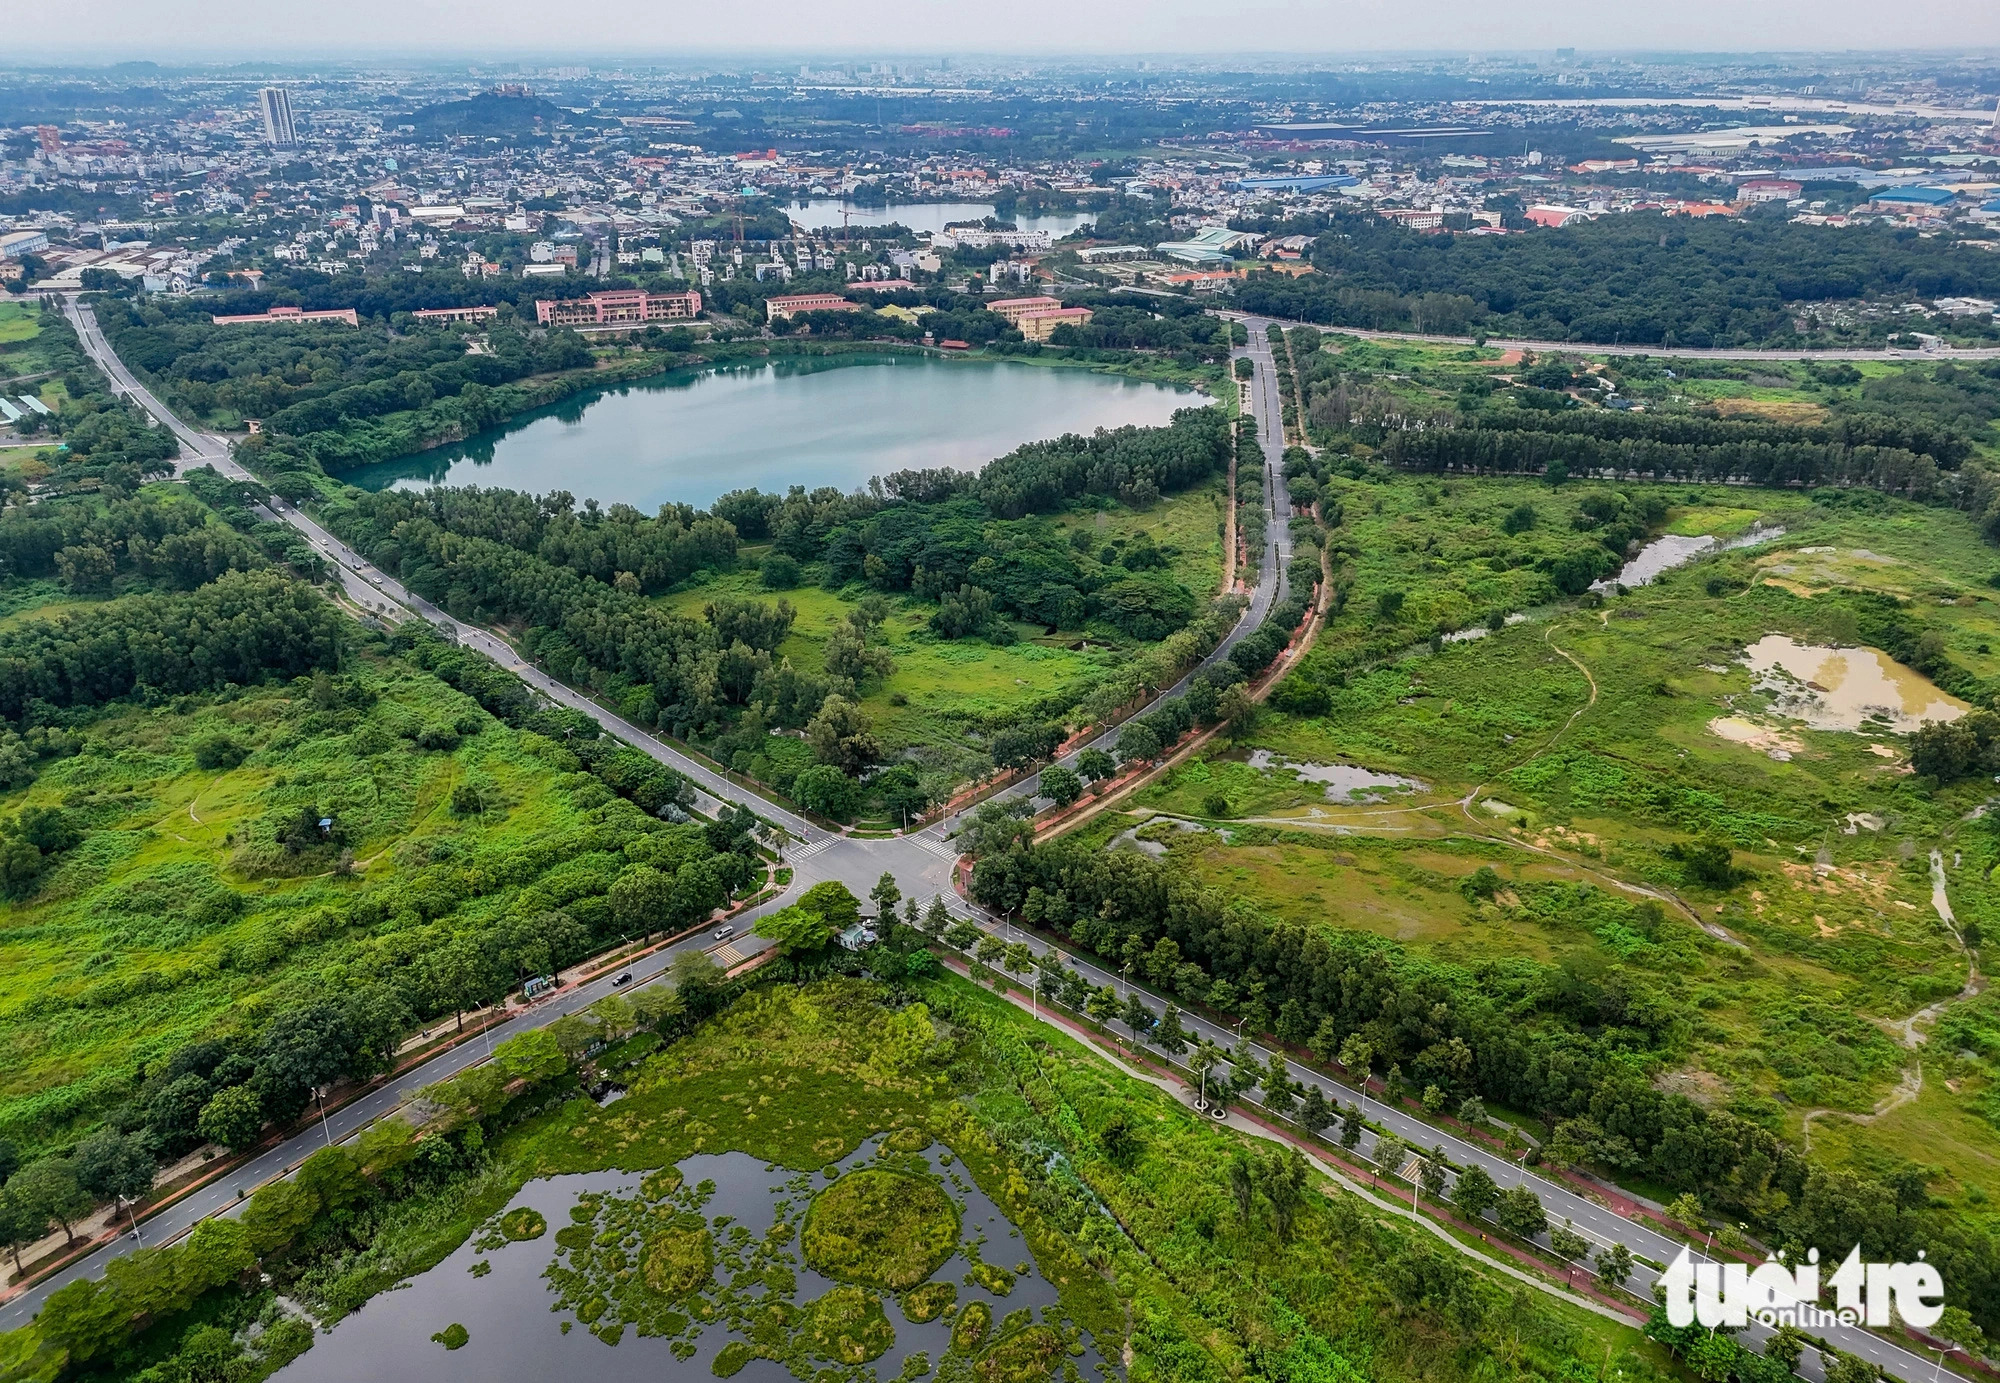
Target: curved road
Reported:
point(920, 861)
point(1272, 583)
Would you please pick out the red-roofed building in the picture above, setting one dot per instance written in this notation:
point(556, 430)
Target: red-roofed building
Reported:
point(789, 305)
point(1552, 216)
point(1039, 326)
point(289, 314)
point(1768, 190)
point(1013, 309)
point(618, 307)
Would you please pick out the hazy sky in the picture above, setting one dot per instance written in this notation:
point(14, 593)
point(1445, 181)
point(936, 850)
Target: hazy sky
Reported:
point(638, 28)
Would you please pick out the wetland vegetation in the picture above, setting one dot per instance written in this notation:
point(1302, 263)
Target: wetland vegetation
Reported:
point(1073, 1222)
point(1691, 883)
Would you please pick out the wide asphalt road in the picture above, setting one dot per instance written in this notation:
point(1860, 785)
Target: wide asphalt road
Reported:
point(921, 863)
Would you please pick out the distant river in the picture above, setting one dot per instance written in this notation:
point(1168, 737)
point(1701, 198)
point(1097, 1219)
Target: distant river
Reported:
point(925, 216)
point(689, 435)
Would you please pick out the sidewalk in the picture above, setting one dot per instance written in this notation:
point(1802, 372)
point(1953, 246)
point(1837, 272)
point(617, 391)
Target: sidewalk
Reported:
point(107, 1224)
point(1167, 1078)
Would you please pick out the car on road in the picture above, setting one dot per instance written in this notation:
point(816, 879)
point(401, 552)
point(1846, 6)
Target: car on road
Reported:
point(724, 933)
point(622, 980)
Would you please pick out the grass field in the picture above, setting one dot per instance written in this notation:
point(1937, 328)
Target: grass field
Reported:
point(942, 689)
point(1580, 746)
point(18, 323)
point(20, 328)
point(179, 916)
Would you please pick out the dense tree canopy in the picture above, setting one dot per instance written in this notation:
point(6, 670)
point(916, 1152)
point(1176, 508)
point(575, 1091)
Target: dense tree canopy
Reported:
point(244, 627)
point(1640, 278)
point(1572, 1047)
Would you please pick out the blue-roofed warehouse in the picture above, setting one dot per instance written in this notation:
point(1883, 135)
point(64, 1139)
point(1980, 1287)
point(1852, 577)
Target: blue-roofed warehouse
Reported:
point(1914, 197)
point(1315, 182)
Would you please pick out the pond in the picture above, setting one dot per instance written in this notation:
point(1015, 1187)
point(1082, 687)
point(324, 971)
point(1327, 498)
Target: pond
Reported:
point(1844, 688)
point(686, 436)
point(823, 212)
point(1343, 782)
point(1665, 553)
point(706, 1268)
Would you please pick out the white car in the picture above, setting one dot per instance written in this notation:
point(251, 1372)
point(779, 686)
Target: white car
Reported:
point(724, 933)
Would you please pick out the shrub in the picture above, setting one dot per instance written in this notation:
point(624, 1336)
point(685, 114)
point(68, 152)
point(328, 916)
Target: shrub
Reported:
point(779, 572)
point(218, 752)
point(1707, 861)
point(1481, 884)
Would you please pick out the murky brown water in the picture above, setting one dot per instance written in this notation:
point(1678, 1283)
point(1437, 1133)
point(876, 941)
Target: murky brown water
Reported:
point(1844, 688)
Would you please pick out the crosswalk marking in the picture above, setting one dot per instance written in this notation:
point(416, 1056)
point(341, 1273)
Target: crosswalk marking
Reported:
point(936, 847)
point(806, 852)
point(728, 955)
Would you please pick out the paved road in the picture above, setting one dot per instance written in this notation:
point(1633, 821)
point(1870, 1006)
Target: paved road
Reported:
point(1272, 584)
point(921, 863)
point(338, 1127)
point(1594, 1222)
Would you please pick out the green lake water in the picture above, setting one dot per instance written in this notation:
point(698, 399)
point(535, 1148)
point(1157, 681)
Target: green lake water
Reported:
point(690, 435)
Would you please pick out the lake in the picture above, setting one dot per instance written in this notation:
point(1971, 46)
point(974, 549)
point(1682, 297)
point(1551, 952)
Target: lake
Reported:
point(687, 436)
point(822, 212)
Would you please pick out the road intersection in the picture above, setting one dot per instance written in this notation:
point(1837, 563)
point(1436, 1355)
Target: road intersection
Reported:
point(922, 863)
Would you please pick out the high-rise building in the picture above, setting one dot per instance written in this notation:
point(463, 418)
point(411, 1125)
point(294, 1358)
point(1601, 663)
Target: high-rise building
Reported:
point(276, 105)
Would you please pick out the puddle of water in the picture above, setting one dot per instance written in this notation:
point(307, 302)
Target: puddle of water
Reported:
point(1845, 688)
point(1130, 839)
point(1673, 550)
point(1343, 782)
point(1480, 631)
point(516, 1324)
